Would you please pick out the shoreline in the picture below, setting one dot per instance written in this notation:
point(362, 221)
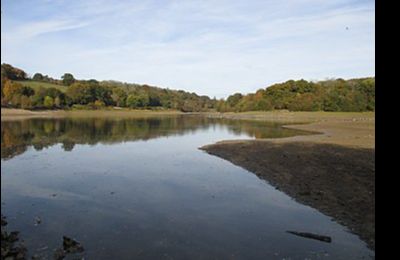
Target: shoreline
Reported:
point(332, 171)
point(21, 114)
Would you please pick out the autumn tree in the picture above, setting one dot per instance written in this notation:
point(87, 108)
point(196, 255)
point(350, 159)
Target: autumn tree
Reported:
point(12, 92)
point(12, 73)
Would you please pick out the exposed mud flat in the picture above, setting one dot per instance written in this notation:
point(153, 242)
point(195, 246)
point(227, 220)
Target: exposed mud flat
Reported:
point(337, 180)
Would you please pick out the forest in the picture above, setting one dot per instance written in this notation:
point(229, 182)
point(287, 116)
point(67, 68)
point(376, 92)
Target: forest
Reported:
point(18, 90)
point(301, 95)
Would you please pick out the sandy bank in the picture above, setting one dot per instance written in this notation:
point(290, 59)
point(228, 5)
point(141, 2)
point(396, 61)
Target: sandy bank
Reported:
point(18, 114)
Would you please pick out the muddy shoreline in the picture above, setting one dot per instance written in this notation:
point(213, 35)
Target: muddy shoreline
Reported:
point(333, 171)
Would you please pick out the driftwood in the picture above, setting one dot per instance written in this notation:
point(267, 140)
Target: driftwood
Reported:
point(312, 236)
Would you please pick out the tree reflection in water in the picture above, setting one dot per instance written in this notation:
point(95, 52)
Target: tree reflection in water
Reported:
point(18, 136)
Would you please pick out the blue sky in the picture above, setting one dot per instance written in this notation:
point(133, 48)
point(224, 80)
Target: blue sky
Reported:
point(214, 47)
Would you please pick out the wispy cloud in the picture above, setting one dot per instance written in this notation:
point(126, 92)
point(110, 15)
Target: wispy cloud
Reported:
point(211, 47)
point(30, 30)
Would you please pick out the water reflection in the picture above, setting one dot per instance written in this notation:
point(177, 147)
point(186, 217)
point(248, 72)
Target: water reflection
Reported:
point(18, 136)
point(135, 195)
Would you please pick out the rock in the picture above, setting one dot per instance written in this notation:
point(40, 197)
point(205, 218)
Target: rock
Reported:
point(37, 221)
point(36, 257)
point(9, 248)
point(59, 254)
point(13, 236)
point(3, 221)
point(72, 246)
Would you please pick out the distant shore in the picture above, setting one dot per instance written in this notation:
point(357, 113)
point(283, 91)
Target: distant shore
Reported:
point(18, 114)
point(333, 171)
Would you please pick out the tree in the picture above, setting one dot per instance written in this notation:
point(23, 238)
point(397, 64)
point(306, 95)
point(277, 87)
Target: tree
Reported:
point(38, 98)
point(119, 97)
point(13, 91)
point(305, 102)
point(135, 101)
point(27, 91)
point(132, 101)
point(102, 93)
point(68, 79)
point(154, 99)
point(37, 77)
point(7, 91)
point(263, 105)
point(15, 101)
point(80, 93)
point(99, 104)
point(48, 102)
point(12, 73)
point(234, 99)
point(26, 102)
point(58, 102)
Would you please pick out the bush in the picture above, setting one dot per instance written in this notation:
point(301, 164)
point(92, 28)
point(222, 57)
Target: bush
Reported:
point(48, 102)
point(26, 102)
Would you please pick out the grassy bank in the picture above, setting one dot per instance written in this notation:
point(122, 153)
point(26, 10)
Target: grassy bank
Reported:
point(350, 129)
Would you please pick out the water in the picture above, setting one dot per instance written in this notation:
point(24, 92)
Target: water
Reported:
point(141, 189)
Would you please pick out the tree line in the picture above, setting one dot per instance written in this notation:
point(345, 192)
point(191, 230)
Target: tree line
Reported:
point(294, 95)
point(302, 95)
point(92, 94)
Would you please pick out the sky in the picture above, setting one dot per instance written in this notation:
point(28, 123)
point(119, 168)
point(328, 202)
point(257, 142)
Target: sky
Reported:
point(213, 48)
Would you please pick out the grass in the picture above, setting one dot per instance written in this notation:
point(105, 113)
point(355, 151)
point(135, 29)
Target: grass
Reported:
point(285, 116)
point(352, 129)
point(37, 84)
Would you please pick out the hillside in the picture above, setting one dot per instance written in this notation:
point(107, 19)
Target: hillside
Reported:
point(41, 91)
point(35, 85)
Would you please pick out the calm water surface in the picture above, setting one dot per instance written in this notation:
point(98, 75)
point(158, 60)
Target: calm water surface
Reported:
point(141, 189)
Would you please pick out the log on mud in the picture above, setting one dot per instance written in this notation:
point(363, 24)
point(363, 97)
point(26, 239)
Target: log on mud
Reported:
point(311, 236)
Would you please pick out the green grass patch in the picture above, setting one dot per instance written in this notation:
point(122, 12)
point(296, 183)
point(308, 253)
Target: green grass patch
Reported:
point(37, 84)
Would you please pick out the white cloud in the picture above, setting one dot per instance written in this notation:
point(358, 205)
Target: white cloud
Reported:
point(209, 47)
